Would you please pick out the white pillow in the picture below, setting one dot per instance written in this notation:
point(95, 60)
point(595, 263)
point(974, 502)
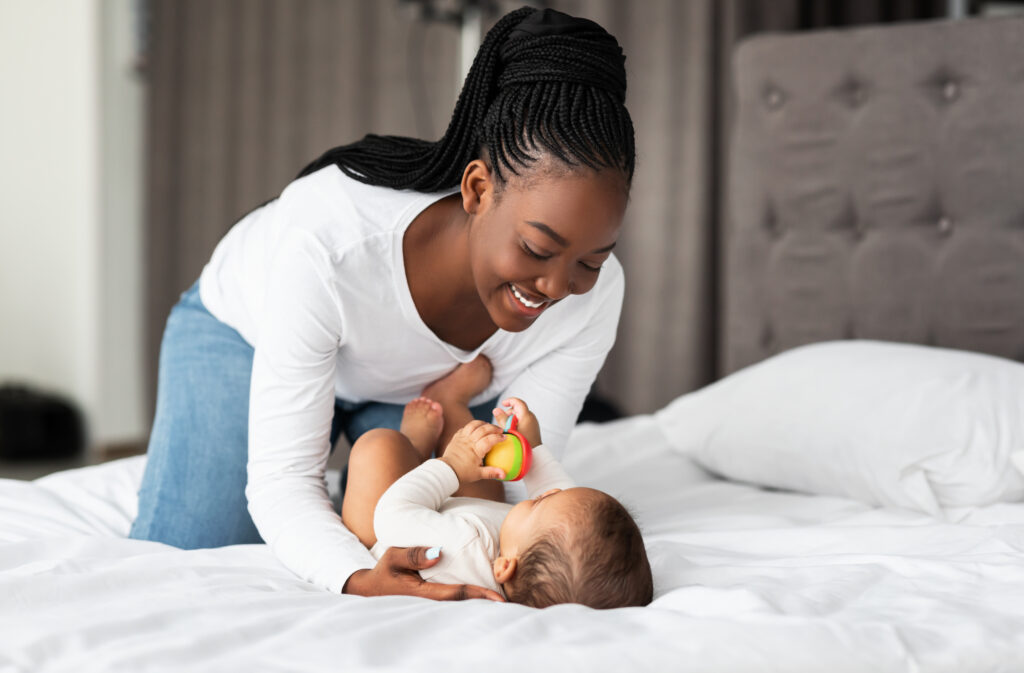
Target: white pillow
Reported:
point(884, 423)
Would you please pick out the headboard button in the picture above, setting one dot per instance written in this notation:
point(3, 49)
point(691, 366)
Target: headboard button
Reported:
point(950, 90)
point(773, 98)
point(944, 225)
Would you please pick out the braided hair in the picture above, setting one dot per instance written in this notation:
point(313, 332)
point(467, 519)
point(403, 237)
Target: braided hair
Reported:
point(542, 81)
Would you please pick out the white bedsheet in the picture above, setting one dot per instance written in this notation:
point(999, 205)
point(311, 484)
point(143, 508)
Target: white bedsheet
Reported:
point(745, 580)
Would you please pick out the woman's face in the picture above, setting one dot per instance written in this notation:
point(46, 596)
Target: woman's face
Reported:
point(540, 241)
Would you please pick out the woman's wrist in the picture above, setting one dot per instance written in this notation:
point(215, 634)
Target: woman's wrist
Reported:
point(355, 584)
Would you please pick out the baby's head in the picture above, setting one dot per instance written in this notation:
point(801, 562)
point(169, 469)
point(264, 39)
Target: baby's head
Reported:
point(573, 546)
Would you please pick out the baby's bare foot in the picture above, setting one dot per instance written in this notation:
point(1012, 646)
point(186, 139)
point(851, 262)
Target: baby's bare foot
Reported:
point(462, 383)
point(422, 421)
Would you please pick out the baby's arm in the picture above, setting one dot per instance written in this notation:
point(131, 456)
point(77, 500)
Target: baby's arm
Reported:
point(545, 471)
point(407, 514)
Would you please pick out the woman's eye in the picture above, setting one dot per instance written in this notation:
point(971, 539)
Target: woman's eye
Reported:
point(533, 253)
point(537, 255)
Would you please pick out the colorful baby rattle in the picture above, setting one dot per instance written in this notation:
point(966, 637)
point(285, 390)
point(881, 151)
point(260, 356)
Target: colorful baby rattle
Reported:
point(513, 454)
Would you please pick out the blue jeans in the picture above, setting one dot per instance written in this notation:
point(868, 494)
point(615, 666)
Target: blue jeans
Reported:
point(193, 490)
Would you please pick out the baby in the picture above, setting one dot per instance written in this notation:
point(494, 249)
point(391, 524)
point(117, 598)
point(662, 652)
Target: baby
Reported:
point(562, 545)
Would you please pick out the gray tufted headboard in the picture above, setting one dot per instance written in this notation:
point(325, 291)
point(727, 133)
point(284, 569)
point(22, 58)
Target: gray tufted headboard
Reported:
point(876, 190)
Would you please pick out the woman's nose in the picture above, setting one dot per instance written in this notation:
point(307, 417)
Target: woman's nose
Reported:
point(557, 283)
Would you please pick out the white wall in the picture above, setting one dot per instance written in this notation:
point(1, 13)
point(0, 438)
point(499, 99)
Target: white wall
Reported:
point(120, 410)
point(70, 214)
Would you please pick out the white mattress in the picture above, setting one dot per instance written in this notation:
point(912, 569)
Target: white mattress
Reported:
point(745, 580)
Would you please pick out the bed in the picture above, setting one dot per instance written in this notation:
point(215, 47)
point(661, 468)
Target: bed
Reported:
point(846, 499)
point(747, 579)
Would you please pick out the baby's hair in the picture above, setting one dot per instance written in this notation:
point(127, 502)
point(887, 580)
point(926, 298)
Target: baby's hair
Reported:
point(603, 565)
point(541, 81)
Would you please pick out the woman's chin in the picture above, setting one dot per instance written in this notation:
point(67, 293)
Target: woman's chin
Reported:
point(508, 323)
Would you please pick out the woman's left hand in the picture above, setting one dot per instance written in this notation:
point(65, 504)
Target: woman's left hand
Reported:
point(397, 574)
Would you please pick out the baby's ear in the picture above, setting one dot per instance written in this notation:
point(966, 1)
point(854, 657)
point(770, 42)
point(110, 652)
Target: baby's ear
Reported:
point(504, 569)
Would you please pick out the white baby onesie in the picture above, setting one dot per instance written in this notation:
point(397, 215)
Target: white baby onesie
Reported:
point(419, 510)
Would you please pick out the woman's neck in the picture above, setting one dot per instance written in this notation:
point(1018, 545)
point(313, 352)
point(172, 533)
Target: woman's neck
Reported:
point(437, 267)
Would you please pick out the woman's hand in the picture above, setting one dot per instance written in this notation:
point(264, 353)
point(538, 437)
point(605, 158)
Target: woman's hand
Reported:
point(465, 453)
point(397, 574)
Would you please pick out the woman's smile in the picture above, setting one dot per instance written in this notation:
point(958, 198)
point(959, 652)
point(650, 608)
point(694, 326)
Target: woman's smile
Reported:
point(526, 303)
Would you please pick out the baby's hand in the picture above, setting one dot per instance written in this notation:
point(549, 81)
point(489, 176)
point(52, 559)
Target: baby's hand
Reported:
point(527, 427)
point(465, 453)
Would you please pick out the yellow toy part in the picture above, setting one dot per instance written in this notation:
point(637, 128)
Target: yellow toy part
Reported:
point(513, 454)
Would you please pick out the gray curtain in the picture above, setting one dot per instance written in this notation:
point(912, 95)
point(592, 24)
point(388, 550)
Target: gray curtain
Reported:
point(243, 93)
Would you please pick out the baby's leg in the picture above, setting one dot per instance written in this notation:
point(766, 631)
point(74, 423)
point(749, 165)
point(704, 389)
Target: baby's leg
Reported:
point(454, 392)
point(380, 457)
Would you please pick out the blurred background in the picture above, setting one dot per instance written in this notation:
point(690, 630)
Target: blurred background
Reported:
point(134, 133)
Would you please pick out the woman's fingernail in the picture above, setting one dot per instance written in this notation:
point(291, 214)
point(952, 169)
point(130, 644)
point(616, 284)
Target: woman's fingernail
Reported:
point(433, 553)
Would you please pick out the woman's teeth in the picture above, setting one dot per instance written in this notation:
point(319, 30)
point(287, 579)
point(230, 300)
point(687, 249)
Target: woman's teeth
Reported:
point(523, 300)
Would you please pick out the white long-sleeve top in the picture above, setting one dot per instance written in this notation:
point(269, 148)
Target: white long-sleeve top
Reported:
point(315, 281)
point(419, 510)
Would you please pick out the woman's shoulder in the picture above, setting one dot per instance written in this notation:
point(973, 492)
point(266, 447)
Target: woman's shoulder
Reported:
point(341, 211)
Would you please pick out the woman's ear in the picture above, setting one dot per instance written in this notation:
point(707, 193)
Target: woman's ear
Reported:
point(504, 569)
point(477, 187)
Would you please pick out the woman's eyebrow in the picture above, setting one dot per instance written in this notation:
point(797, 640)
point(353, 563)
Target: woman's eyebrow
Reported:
point(557, 238)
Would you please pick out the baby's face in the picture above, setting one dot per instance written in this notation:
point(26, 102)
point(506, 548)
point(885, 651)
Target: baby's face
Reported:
point(531, 518)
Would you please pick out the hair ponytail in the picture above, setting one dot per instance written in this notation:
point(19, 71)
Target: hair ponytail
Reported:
point(541, 80)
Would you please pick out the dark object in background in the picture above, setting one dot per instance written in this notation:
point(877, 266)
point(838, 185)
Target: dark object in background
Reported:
point(598, 409)
point(38, 426)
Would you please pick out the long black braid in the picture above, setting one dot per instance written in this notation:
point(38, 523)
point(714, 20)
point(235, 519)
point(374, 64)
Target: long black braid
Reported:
point(541, 81)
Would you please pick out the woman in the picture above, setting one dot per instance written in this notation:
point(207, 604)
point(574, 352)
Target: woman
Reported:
point(389, 264)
